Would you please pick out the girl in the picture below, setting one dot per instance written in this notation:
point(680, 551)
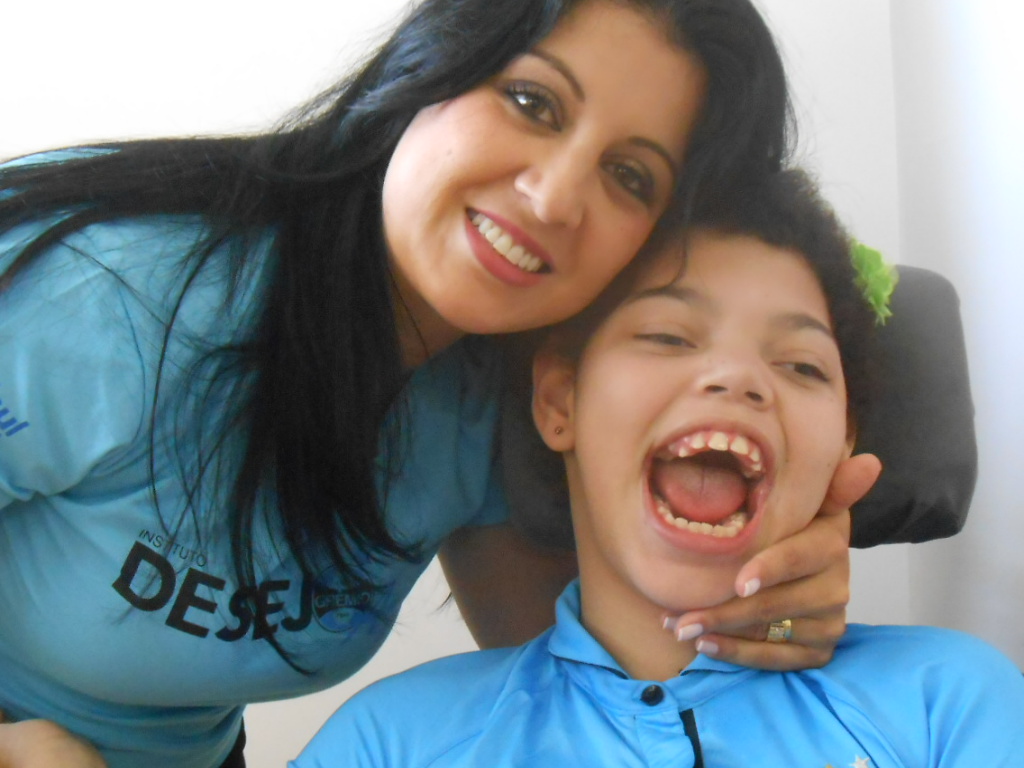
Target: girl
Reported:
point(701, 409)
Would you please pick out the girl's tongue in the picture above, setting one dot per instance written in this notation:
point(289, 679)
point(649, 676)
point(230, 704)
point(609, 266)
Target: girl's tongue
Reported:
point(706, 488)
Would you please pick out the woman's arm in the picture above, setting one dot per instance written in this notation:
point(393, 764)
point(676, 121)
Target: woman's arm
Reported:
point(506, 586)
point(42, 744)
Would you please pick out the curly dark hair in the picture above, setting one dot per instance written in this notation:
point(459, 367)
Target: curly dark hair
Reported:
point(785, 210)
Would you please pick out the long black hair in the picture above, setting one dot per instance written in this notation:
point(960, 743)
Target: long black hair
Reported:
point(313, 380)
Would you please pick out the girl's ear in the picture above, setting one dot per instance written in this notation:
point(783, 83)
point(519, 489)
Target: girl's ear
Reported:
point(554, 382)
point(851, 437)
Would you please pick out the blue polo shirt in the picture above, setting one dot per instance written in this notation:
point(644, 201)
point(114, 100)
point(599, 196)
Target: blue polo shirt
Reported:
point(912, 697)
point(124, 622)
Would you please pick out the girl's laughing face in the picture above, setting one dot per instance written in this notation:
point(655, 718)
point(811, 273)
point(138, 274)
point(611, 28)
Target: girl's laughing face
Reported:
point(704, 421)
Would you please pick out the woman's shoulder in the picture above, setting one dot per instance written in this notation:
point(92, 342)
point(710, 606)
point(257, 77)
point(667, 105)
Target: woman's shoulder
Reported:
point(138, 266)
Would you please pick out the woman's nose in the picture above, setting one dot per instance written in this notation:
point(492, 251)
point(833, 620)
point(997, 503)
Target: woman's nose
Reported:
point(555, 189)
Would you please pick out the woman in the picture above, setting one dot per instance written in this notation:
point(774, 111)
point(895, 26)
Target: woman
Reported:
point(239, 407)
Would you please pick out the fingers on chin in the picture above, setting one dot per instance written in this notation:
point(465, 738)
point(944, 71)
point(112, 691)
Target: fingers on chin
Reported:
point(777, 657)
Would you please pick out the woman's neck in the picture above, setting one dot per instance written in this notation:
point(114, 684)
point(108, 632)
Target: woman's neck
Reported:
point(422, 333)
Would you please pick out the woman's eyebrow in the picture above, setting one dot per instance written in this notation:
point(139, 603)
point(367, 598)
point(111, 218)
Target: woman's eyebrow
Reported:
point(564, 70)
point(659, 150)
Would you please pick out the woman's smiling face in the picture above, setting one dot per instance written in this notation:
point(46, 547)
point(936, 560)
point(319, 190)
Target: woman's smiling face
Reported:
point(731, 366)
point(512, 206)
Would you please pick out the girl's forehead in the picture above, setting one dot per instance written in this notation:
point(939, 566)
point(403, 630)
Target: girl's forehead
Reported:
point(729, 266)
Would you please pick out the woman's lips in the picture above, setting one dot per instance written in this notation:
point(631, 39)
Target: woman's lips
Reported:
point(504, 250)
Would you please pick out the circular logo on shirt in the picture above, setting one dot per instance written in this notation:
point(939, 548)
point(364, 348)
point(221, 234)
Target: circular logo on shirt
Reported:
point(338, 608)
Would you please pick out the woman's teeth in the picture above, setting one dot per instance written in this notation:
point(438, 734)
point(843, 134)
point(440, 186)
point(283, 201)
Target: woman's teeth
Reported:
point(504, 244)
point(727, 529)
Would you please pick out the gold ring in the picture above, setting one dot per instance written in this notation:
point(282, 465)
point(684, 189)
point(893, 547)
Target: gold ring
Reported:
point(780, 631)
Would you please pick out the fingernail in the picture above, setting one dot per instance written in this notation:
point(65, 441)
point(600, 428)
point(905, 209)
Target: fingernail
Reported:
point(668, 622)
point(707, 647)
point(689, 631)
point(751, 587)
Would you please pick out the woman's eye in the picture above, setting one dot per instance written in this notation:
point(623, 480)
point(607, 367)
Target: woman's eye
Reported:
point(536, 102)
point(664, 339)
point(808, 370)
point(633, 178)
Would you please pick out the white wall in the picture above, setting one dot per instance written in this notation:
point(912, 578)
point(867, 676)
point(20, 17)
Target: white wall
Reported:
point(959, 69)
point(117, 68)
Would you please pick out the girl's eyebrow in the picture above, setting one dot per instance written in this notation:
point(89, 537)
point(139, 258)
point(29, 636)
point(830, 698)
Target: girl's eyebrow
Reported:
point(565, 71)
point(792, 321)
point(672, 291)
point(799, 321)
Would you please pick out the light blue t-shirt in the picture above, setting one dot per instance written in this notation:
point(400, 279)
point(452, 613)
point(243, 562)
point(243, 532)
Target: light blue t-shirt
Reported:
point(893, 697)
point(128, 630)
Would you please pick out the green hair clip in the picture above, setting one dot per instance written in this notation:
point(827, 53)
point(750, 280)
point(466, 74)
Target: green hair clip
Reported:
point(876, 279)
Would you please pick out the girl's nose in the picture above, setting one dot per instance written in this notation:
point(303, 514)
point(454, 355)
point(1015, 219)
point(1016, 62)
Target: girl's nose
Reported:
point(737, 379)
point(554, 189)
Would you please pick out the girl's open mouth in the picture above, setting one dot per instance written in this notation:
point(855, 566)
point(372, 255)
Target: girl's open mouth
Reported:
point(709, 482)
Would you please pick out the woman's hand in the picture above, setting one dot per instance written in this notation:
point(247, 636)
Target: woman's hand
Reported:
point(42, 744)
point(805, 578)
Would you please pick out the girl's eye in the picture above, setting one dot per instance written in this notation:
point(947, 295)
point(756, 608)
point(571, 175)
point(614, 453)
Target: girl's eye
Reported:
point(536, 102)
point(634, 178)
point(664, 339)
point(808, 370)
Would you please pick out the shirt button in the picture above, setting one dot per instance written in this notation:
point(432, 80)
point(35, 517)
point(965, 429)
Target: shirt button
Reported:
point(652, 695)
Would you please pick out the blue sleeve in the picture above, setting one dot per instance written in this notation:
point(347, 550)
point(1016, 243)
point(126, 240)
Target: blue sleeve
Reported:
point(352, 738)
point(71, 382)
point(83, 331)
point(416, 717)
point(976, 708)
point(943, 699)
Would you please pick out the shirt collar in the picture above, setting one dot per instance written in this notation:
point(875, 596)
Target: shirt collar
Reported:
point(594, 667)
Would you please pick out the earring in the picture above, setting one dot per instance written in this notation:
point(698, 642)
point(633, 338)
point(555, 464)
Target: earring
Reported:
point(559, 430)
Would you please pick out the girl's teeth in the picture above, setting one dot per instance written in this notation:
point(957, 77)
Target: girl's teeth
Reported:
point(727, 529)
point(719, 441)
point(751, 464)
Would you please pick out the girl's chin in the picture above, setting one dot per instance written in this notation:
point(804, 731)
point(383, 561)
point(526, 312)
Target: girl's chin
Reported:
point(683, 593)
